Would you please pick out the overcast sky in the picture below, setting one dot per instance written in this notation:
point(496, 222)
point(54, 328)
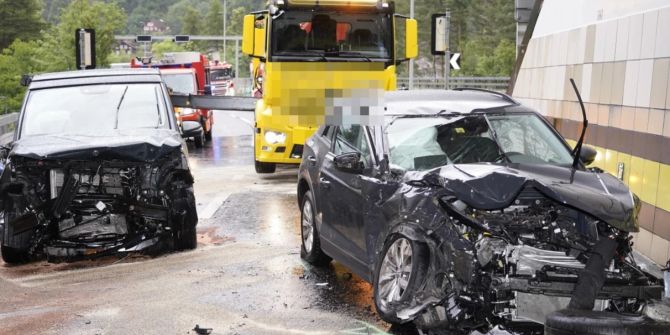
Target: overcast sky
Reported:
point(561, 15)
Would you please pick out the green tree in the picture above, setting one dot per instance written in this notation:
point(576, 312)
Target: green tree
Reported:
point(20, 19)
point(105, 18)
point(21, 57)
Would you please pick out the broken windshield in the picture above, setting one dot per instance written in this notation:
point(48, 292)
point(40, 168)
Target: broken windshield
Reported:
point(423, 143)
point(93, 109)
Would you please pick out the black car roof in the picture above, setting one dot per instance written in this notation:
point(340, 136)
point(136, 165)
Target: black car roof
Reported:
point(92, 77)
point(426, 102)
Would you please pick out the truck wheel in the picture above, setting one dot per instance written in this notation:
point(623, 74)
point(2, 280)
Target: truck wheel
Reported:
point(199, 140)
point(262, 167)
point(310, 249)
point(398, 274)
point(185, 237)
point(14, 247)
point(584, 322)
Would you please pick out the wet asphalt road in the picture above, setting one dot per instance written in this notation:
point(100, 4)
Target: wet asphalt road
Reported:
point(245, 277)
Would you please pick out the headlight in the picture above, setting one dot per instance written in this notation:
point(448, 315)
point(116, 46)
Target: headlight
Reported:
point(275, 137)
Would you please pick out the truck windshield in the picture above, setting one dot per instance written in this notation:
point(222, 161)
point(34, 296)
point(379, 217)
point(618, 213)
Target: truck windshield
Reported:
point(94, 109)
point(304, 36)
point(221, 74)
point(180, 82)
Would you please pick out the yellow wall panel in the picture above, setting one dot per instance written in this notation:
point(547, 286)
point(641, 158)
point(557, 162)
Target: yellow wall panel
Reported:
point(636, 175)
point(650, 182)
point(663, 194)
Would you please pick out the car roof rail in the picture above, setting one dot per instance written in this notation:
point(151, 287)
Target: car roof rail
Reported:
point(500, 94)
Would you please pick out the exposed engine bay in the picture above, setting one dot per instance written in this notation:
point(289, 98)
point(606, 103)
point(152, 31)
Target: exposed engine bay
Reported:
point(522, 258)
point(69, 208)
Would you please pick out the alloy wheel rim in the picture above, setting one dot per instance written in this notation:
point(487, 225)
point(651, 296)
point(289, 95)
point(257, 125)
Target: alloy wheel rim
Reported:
point(395, 272)
point(307, 226)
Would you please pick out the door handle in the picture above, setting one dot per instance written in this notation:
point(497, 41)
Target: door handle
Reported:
point(312, 160)
point(324, 183)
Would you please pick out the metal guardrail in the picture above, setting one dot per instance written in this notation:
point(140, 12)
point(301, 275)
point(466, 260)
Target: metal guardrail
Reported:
point(7, 127)
point(489, 83)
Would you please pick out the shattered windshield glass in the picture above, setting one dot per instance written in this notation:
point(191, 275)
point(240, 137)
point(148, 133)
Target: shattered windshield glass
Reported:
point(94, 108)
point(423, 143)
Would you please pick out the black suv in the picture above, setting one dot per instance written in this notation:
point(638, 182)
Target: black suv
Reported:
point(97, 166)
point(466, 211)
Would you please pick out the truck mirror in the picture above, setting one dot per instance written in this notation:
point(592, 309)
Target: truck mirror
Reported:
point(253, 37)
point(412, 39)
point(248, 35)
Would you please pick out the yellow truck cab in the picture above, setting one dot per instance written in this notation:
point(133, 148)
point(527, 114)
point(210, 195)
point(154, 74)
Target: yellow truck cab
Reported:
point(310, 56)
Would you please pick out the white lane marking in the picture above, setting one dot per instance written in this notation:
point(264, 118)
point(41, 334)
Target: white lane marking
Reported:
point(213, 205)
point(245, 121)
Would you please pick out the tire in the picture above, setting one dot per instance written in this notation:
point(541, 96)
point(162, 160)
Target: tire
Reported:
point(264, 168)
point(14, 247)
point(310, 249)
point(185, 237)
point(14, 256)
point(208, 134)
point(199, 140)
point(417, 262)
point(583, 322)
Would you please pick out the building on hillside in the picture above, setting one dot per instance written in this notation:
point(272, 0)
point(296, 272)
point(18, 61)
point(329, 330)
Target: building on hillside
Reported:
point(156, 26)
point(125, 48)
point(619, 55)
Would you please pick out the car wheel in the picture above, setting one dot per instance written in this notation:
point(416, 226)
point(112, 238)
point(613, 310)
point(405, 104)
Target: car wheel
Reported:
point(311, 245)
point(185, 236)
point(199, 140)
point(208, 133)
point(262, 167)
point(572, 321)
point(398, 274)
point(11, 254)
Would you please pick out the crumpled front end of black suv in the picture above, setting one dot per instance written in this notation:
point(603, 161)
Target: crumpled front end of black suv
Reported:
point(96, 201)
point(508, 246)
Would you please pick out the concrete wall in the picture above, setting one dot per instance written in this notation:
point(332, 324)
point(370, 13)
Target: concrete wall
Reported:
point(622, 67)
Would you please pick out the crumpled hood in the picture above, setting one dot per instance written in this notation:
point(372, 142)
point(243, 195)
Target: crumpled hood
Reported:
point(493, 187)
point(141, 145)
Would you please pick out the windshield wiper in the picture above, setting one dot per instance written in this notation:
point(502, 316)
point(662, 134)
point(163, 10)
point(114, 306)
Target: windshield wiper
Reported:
point(118, 108)
point(352, 54)
point(306, 54)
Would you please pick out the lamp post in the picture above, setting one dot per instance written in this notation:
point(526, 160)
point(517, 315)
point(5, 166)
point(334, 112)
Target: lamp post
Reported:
point(411, 61)
point(225, 19)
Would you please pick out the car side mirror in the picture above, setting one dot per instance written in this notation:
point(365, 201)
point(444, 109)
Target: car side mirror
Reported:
point(349, 162)
point(588, 155)
point(190, 129)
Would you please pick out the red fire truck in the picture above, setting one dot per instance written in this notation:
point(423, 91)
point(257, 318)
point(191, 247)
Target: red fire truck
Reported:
point(221, 76)
point(185, 73)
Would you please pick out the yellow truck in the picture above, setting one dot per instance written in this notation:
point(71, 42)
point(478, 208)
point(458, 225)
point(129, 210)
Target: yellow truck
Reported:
point(320, 61)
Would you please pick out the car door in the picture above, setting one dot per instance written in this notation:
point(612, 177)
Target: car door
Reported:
point(341, 196)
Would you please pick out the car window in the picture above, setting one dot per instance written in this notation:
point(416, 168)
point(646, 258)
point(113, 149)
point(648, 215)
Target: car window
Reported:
point(93, 108)
point(428, 142)
point(527, 139)
point(351, 138)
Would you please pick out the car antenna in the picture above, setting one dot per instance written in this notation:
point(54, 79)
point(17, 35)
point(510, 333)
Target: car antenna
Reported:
point(577, 152)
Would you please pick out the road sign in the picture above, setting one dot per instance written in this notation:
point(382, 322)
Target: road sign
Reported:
point(455, 61)
point(439, 39)
point(143, 38)
point(85, 48)
point(182, 38)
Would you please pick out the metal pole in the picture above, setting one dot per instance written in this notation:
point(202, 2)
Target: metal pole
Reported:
point(447, 55)
point(411, 61)
point(237, 58)
point(225, 19)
